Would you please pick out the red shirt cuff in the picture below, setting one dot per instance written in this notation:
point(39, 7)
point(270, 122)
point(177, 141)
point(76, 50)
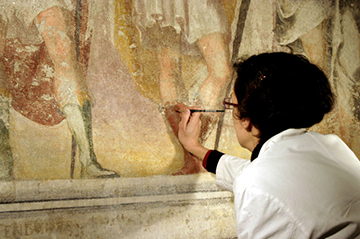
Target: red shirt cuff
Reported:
point(205, 158)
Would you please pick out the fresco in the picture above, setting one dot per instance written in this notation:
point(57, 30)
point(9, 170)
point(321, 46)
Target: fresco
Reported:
point(91, 89)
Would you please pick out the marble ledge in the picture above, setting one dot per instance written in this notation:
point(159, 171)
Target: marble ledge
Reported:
point(17, 196)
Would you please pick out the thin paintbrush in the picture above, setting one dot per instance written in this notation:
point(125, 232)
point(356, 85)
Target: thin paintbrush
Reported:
point(194, 110)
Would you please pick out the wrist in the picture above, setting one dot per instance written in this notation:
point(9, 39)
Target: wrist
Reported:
point(199, 151)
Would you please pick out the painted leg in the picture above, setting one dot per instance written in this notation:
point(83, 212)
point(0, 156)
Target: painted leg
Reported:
point(172, 88)
point(191, 163)
point(215, 50)
point(6, 157)
point(79, 121)
point(172, 92)
point(70, 84)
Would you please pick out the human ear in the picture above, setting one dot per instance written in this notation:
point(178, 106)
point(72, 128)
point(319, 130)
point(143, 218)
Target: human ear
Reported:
point(246, 123)
point(249, 127)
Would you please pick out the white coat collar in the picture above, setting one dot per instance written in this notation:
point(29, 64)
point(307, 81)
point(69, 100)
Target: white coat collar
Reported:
point(280, 136)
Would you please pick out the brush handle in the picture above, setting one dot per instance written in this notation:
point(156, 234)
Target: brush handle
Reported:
point(192, 111)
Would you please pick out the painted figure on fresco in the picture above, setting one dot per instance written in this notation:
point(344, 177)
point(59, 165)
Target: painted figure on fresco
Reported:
point(327, 32)
point(173, 28)
point(41, 72)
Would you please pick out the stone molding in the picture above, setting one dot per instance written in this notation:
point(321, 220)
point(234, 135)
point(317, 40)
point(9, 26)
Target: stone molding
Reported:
point(165, 206)
point(57, 194)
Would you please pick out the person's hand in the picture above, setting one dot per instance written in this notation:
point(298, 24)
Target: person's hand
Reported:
point(189, 132)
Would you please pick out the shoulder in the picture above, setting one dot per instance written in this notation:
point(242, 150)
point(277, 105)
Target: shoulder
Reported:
point(307, 144)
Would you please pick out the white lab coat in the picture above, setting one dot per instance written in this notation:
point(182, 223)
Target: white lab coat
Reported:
point(302, 185)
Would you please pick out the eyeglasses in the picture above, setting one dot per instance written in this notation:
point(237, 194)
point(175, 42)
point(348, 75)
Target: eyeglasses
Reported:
point(228, 105)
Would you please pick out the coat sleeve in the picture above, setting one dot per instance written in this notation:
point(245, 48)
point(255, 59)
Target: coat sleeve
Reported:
point(227, 169)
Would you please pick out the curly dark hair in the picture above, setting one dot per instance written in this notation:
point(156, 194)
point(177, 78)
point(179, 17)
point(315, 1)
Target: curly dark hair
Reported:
point(278, 91)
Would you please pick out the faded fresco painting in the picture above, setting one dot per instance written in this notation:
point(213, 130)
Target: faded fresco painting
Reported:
point(93, 89)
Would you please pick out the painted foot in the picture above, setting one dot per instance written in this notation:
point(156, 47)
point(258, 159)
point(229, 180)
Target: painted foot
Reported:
point(192, 165)
point(96, 171)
